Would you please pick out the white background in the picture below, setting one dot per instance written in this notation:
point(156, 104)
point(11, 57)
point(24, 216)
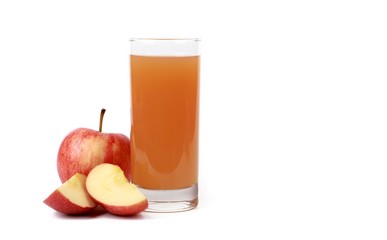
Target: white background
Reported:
point(293, 125)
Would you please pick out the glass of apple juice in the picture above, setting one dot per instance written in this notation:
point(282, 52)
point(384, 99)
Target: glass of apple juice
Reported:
point(164, 81)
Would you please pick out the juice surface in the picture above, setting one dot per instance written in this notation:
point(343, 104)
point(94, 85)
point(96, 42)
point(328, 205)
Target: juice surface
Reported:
point(165, 115)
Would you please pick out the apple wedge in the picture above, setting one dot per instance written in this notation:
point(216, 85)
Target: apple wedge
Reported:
point(71, 197)
point(107, 184)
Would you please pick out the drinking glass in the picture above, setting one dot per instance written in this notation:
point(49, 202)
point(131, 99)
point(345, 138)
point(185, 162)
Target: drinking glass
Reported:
point(165, 121)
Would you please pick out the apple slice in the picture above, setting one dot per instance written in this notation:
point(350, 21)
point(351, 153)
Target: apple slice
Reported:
point(108, 185)
point(71, 197)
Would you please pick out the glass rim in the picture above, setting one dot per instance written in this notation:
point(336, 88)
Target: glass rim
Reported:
point(164, 39)
point(164, 46)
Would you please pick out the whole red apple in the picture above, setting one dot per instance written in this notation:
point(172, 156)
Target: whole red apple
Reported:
point(83, 149)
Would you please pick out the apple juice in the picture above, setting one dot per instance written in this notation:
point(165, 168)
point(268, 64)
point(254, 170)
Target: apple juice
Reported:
point(165, 117)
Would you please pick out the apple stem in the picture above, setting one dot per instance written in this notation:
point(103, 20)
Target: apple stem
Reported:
point(103, 110)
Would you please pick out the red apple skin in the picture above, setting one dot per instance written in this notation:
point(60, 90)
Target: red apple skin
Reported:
point(83, 149)
point(60, 203)
point(126, 210)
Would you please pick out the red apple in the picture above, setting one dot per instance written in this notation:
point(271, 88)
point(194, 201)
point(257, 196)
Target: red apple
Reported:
point(71, 197)
point(109, 187)
point(83, 149)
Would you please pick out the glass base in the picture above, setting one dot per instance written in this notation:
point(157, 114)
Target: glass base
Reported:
point(176, 200)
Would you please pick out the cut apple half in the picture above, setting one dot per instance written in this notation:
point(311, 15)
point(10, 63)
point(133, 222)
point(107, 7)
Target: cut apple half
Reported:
point(107, 184)
point(71, 197)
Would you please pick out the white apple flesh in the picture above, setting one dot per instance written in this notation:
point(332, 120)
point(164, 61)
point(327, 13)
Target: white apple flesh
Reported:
point(71, 197)
point(107, 185)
